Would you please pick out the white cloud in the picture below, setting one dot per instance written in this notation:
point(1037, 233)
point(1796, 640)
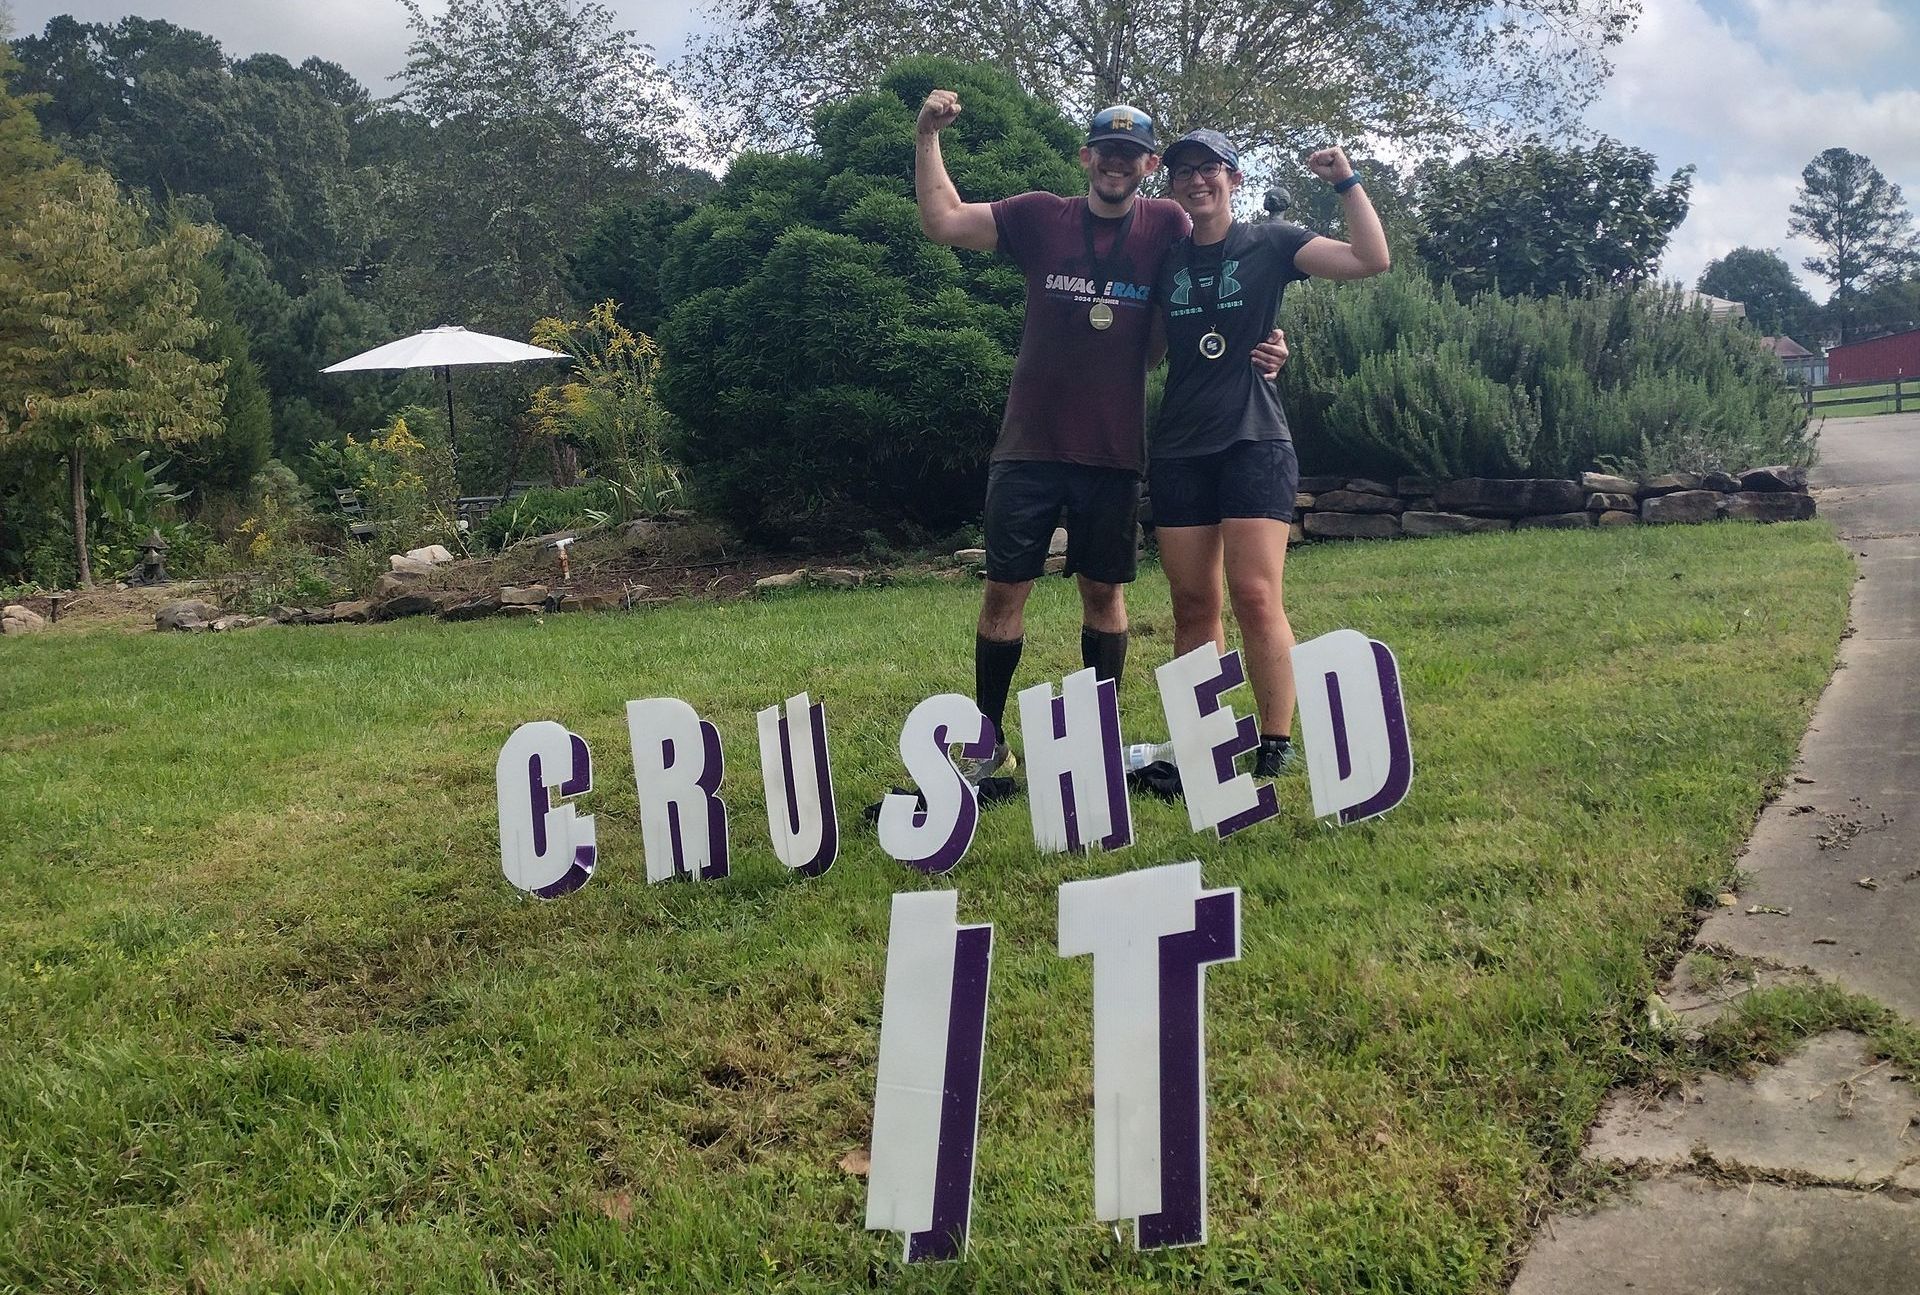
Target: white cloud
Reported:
point(1749, 108)
point(1831, 35)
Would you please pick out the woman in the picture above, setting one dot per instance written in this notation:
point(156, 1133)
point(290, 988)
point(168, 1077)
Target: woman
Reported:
point(1221, 468)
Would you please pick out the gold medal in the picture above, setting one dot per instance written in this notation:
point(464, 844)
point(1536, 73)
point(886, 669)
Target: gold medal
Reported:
point(1213, 346)
point(1101, 316)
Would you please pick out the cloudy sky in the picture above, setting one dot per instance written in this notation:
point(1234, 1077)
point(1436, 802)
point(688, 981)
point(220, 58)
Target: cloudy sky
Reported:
point(1747, 90)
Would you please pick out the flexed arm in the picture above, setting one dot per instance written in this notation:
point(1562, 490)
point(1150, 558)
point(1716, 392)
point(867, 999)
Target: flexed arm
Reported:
point(943, 216)
point(1329, 258)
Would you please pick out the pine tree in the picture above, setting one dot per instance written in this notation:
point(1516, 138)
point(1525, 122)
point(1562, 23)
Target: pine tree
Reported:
point(96, 329)
point(1861, 219)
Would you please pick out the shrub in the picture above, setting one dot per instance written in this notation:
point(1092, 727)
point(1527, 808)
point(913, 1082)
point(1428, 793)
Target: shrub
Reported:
point(608, 410)
point(1394, 375)
point(833, 371)
point(541, 511)
point(403, 474)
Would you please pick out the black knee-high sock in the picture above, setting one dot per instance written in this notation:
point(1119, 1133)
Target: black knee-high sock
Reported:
point(1105, 651)
point(994, 662)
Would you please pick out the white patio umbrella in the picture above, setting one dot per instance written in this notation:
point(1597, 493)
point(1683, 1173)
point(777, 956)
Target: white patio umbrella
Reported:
point(442, 348)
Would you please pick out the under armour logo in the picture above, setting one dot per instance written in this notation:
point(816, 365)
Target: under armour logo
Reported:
point(1183, 286)
point(1229, 286)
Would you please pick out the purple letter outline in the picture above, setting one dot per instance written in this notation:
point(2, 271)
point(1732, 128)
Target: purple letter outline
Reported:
point(1353, 720)
point(677, 771)
point(1151, 934)
point(1076, 784)
point(1207, 738)
point(926, 1105)
point(545, 850)
point(934, 839)
point(799, 784)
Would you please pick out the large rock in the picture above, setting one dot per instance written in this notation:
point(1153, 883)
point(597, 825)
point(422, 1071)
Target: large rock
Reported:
point(394, 583)
point(1724, 482)
point(1493, 497)
point(471, 609)
point(1617, 519)
point(357, 612)
point(1554, 522)
point(16, 619)
point(1314, 485)
point(433, 554)
point(1611, 501)
point(968, 557)
point(1058, 544)
point(1430, 523)
point(837, 577)
point(1769, 506)
point(1352, 526)
point(1682, 506)
point(414, 602)
point(1302, 501)
point(1779, 477)
point(1412, 487)
point(1364, 486)
point(1602, 483)
point(407, 564)
point(226, 623)
point(1355, 501)
point(1054, 565)
point(523, 595)
point(785, 580)
point(1667, 484)
point(185, 613)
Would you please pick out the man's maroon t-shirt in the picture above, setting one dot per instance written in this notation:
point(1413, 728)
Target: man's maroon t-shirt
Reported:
point(1079, 394)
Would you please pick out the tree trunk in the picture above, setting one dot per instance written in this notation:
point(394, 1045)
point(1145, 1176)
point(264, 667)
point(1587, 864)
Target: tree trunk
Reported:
point(77, 478)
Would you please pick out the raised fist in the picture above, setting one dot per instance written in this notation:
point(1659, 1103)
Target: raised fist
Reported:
point(938, 112)
point(1330, 164)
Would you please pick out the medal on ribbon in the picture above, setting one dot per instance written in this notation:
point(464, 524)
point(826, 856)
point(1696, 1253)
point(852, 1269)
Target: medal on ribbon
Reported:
point(1212, 346)
point(1100, 314)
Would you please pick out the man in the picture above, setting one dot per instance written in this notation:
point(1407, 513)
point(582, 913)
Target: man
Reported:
point(1072, 438)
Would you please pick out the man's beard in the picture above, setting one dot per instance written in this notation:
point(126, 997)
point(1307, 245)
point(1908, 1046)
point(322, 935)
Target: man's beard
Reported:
point(1128, 187)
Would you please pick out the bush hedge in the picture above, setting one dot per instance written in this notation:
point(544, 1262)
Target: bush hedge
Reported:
point(1395, 375)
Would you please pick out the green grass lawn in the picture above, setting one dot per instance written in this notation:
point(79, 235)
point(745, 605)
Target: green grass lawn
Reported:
point(271, 1020)
point(1824, 398)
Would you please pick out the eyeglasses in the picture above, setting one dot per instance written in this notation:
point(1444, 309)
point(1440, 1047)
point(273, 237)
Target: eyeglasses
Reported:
point(1206, 170)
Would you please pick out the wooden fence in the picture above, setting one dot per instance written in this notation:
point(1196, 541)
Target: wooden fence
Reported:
point(1894, 389)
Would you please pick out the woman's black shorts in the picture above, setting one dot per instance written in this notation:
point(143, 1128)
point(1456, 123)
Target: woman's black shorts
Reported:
point(1247, 479)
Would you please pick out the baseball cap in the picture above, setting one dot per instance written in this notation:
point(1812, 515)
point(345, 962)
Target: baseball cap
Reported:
point(1211, 142)
point(1125, 123)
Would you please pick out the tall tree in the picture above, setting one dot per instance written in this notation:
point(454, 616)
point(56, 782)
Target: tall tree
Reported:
point(1538, 220)
point(541, 111)
point(266, 145)
point(1861, 219)
point(1776, 303)
point(1268, 72)
point(97, 327)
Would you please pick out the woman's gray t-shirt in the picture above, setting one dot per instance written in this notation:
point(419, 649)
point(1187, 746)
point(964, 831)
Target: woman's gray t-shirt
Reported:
point(1232, 287)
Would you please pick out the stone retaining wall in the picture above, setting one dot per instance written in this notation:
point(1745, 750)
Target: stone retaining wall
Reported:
point(1349, 508)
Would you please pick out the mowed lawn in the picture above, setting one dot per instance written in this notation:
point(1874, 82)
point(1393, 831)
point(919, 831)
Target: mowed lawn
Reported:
point(1840, 402)
point(271, 1020)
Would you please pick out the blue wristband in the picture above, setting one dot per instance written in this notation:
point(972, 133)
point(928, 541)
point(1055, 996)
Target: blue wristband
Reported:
point(1347, 183)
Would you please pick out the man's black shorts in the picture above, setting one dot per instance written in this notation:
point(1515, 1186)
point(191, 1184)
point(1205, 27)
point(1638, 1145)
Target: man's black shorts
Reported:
point(1247, 479)
point(1026, 500)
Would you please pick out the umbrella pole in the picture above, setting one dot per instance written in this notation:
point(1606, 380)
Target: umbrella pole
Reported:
point(453, 446)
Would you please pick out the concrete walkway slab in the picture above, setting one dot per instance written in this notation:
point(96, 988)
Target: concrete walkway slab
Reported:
point(1840, 852)
point(1681, 1236)
point(1829, 1112)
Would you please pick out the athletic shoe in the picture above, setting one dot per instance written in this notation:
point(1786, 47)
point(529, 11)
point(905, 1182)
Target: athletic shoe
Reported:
point(1276, 758)
point(1001, 761)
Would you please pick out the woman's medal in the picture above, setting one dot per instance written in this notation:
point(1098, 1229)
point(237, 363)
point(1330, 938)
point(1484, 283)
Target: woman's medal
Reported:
point(1101, 317)
point(1212, 346)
